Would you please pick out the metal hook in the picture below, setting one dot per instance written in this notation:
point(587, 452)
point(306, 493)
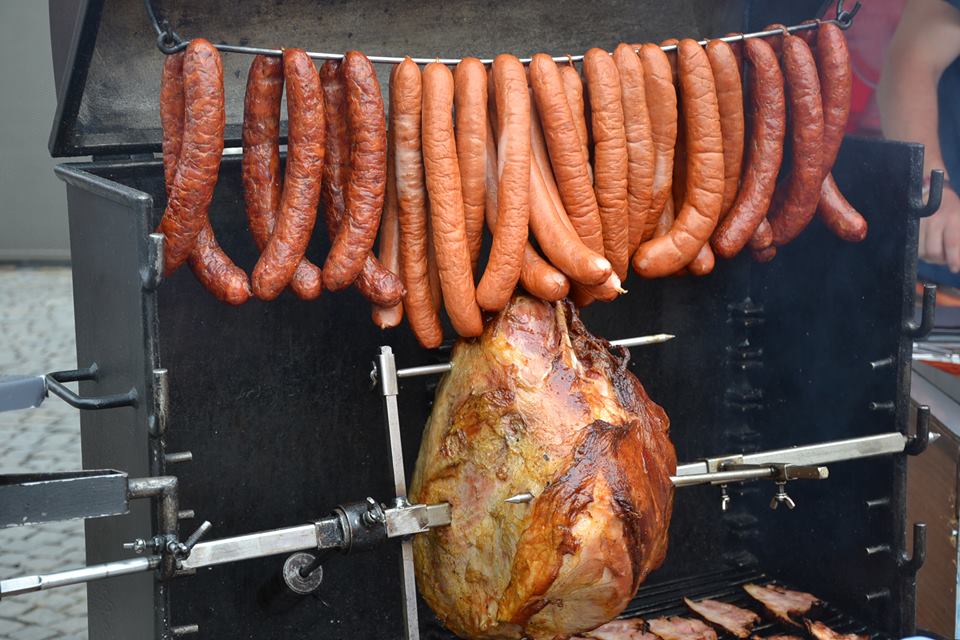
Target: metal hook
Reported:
point(923, 209)
point(845, 18)
point(918, 442)
point(910, 566)
point(927, 313)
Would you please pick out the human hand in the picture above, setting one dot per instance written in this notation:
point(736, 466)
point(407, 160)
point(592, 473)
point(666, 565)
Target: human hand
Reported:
point(940, 233)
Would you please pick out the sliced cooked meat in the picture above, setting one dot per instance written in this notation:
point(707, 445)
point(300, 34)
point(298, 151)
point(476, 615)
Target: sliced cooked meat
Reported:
point(677, 628)
point(633, 629)
point(781, 602)
point(821, 631)
point(777, 637)
point(731, 618)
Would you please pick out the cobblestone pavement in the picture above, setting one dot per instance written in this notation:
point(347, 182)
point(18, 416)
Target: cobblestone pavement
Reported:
point(36, 336)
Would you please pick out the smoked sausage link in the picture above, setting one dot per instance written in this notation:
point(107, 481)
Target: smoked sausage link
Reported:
point(726, 75)
point(836, 81)
point(405, 109)
point(513, 166)
point(640, 151)
point(610, 155)
point(839, 215)
point(446, 202)
point(537, 276)
point(765, 152)
point(550, 225)
point(301, 187)
point(568, 157)
point(573, 88)
point(198, 162)
point(217, 273)
point(377, 284)
point(801, 188)
point(700, 211)
point(226, 281)
point(260, 166)
point(470, 107)
point(386, 317)
point(662, 107)
point(368, 178)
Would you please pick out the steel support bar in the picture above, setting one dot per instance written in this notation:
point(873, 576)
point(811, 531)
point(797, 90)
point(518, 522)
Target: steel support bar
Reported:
point(434, 369)
point(27, 584)
point(813, 454)
point(390, 388)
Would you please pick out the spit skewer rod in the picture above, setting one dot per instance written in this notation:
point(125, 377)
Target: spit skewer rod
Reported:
point(169, 42)
point(432, 369)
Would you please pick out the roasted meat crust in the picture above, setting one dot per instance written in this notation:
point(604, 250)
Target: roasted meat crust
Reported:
point(537, 404)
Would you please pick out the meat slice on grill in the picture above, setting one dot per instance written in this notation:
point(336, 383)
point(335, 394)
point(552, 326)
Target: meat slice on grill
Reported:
point(728, 617)
point(537, 404)
point(782, 603)
point(633, 629)
point(821, 631)
point(677, 628)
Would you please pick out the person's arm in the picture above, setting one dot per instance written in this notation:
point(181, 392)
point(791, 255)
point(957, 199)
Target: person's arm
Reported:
point(926, 42)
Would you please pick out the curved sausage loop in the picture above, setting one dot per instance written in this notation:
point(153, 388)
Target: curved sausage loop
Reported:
point(799, 193)
point(415, 243)
point(260, 165)
point(765, 152)
point(213, 268)
point(368, 178)
point(513, 165)
point(446, 202)
point(301, 187)
point(704, 192)
point(198, 159)
point(610, 155)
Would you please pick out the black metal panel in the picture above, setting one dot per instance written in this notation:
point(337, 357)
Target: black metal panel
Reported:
point(275, 404)
point(115, 321)
point(831, 308)
point(31, 498)
point(102, 111)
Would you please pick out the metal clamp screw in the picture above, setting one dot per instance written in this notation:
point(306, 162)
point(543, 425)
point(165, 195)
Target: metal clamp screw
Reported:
point(724, 498)
point(374, 514)
point(138, 546)
point(781, 496)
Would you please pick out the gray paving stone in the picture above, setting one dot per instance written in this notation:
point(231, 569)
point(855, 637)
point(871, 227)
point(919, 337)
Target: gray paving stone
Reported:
point(36, 314)
point(33, 632)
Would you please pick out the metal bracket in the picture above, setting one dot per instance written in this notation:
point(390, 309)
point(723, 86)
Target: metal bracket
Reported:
point(151, 273)
point(917, 443)
point(928, 311)
point(923, 209)
point(55, 384)
point(910, 566)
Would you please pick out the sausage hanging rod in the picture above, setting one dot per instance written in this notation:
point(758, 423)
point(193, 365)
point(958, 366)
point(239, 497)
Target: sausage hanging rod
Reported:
point(169, 42)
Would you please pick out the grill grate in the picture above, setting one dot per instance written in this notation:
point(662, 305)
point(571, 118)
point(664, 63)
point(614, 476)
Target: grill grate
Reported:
point(665, 599)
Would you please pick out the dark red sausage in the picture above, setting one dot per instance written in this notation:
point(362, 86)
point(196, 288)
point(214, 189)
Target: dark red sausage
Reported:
point(216, 272)
point(376, 283)
point(839, 215)
point(764, 152)
point(200, 151)
point(836, 81)
point(260, 167)
point(368, 177)
point(301, 185)
point(801, 188)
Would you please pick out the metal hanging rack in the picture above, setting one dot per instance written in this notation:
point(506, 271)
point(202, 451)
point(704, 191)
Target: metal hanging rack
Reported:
point(169, 42)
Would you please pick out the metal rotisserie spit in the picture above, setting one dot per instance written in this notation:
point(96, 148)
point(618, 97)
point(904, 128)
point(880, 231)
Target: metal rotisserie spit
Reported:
point(248, 439)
